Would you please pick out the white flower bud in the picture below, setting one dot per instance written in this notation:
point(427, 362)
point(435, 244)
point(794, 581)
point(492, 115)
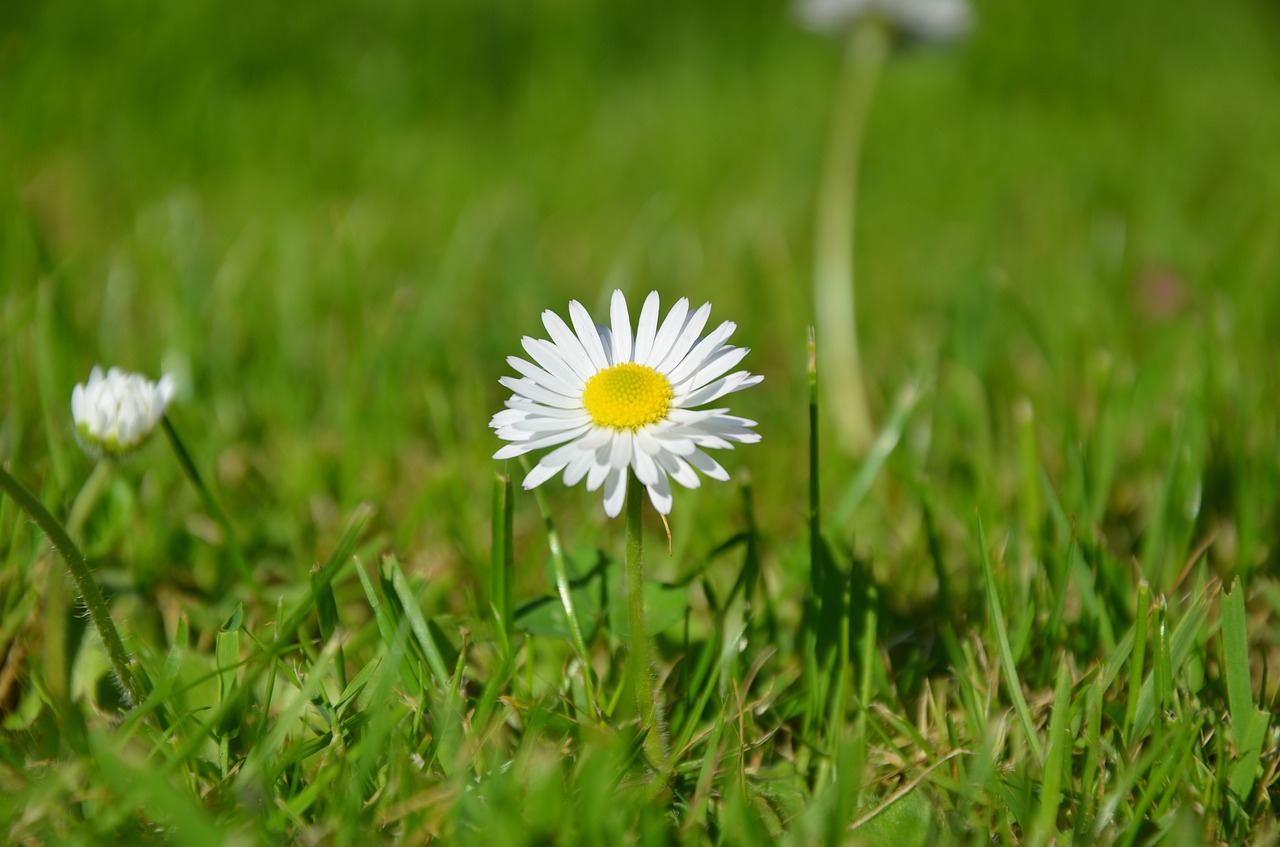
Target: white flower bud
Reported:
point(115, 414)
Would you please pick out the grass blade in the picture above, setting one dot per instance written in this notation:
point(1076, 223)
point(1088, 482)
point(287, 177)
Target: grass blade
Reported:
point(1007, 668)
point(502, 561)
point(417, 623)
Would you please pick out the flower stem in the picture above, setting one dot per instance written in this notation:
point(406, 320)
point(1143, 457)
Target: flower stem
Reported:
point(638, 636)
point(89, 591)
point(833, 289)
point(206, 497)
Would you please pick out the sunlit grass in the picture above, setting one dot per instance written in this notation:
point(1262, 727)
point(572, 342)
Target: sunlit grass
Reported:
point(1041, 611)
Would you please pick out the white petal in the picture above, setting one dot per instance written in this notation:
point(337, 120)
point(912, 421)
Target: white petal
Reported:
point(676, 444)
point(535, 426)
point(548, 356)
point(679, 416)
point(578, 467)
point(681, 369)
point(615, 492)
point(79, 406)
point(708, 441)
point(620, 322)
point(588, 335)
point(660, 494)
point(606, 341)
point(600, 467)
point(564, 454)
point(667, 333)
point(532, 407)
point(597, 438)
point(727, 385)
point(708, 466)
point(686, 339)
point(165, 389)
point(519, 448)
point(530, 389)
point(620, 451)
point(714, 432)
point(647, 442)
point(568, 345)
point(528, 427)
point(646, 329)
point(544, 378)
point(645, 467)
point(679, 470)
point(508, 417)
point(541, 473)
point(715, 366)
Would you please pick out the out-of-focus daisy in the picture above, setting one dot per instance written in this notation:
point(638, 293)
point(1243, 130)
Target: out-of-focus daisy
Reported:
point(869, 30)
point(922, 20)
point(609, 399)
point(116, 413)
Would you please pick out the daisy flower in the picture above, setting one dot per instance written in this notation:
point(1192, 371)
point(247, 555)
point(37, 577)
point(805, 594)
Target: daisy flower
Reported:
point(608, 399)
point(922, 20)
point(116, 413)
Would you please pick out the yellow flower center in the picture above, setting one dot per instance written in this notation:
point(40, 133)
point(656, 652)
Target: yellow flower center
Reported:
point(627, 396)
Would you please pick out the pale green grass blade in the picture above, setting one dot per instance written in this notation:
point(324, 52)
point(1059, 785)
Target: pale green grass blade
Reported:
point(904, 404)
point(1235, 649)
point(1178, 648)
point(259, 767)
point(1056, 758)
point(227, 655)
point(1139, 655)
point(327, 616)
point(1249, 748)
point(1008, 669)
point(1249, 724)
point(418, 625)
point(502, 560)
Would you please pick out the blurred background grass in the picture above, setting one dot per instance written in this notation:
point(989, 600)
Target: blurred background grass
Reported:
point(337, 219)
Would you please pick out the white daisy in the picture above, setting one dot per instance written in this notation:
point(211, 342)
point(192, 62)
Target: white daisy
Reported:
point(924, 20)
point(612, 400)
point(115, 414)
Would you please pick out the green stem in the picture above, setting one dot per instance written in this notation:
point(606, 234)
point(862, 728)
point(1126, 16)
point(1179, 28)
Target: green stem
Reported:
point(206, 497)
point(638, 636)
point(833, 288)
point(89, 591)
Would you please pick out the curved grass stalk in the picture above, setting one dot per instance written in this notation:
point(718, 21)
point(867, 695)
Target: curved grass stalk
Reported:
point(80, 573)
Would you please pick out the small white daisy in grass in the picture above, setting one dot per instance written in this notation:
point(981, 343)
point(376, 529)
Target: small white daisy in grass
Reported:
point(115, 414)
point(608, 399)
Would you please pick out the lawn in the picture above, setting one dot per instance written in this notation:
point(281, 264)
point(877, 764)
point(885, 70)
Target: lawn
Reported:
point(1039, 609)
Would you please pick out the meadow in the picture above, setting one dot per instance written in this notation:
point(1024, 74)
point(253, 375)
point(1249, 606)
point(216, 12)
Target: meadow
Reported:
point(1040, 609)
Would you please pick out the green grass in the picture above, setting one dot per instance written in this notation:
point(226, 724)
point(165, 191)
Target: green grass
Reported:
point(1043, 612)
